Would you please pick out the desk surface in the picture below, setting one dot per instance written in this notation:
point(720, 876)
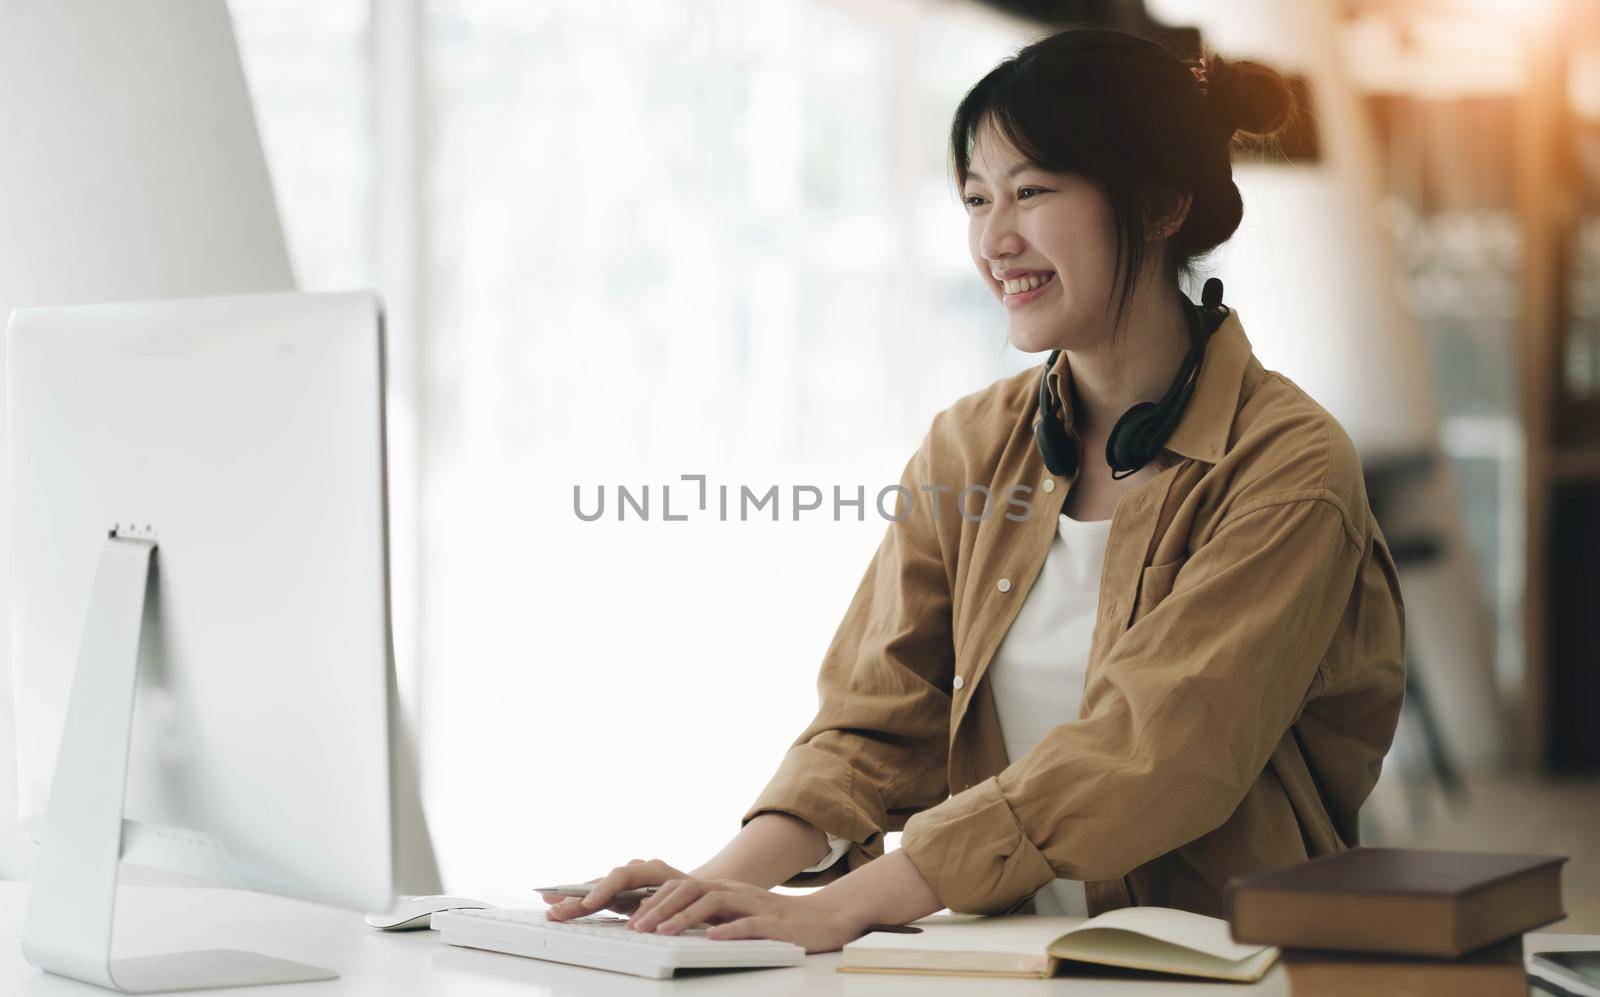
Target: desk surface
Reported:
point(417, 964)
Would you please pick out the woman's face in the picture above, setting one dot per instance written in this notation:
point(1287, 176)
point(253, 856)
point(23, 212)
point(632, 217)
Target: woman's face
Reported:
point(1027, 221)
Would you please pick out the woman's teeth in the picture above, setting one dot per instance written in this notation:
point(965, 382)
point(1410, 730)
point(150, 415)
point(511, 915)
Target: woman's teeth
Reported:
point(1027, 283)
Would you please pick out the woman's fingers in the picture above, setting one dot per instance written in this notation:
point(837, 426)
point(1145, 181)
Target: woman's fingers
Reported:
point(565, 909)
point(617, 879)
point(557, 899)
point(562, 907)
point(723, 905)
point(570, 907)
point(674, 896)
point(637, 873)
point(755, 926)
point(624, 877)
point(653, 901)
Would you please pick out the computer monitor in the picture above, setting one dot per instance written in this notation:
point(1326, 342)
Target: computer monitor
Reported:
point(132, 170)
point(200, 614)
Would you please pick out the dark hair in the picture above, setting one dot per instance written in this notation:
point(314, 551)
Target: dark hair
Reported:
point(1132, 118)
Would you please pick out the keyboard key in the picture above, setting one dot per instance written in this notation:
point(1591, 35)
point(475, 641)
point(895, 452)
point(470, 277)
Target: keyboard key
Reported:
point(605, 942)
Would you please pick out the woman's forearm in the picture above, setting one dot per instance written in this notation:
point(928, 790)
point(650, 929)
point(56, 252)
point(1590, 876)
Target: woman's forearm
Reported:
point(767, 851)
point(774, 846)
point(887, 890)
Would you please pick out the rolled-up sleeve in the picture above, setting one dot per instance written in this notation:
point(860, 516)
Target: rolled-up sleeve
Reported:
point(878, 747)
point(1179, 718)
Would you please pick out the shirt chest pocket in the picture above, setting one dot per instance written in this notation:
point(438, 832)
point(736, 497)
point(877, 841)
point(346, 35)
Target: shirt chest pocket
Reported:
point(1155, 583)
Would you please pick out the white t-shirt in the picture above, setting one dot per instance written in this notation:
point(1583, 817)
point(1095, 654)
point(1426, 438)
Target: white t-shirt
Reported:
point(1038, 670)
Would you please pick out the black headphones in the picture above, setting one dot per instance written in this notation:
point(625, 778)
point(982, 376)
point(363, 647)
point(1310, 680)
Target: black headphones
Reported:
point(1139, 435)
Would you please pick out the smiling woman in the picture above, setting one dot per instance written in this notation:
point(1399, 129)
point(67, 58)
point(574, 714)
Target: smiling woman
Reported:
point(1134, 140)
point(1189, 667)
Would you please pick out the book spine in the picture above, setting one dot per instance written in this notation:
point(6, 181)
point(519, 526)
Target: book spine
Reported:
point(1345, 922)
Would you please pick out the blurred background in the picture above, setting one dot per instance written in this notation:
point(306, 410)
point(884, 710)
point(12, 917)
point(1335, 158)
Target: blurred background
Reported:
point(624, 242)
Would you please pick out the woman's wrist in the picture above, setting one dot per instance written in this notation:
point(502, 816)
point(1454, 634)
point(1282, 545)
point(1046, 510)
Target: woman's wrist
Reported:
point(888, 890)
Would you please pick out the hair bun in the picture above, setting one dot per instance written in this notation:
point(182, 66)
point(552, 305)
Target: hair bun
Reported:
point(1247, 96)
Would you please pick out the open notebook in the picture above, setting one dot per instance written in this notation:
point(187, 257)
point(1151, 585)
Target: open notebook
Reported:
point(1158, 939)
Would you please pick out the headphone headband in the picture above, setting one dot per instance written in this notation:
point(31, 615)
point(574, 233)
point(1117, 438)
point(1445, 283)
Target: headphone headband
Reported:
point(1142, 431)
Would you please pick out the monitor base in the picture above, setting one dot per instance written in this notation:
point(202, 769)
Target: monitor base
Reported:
point(207, 969)
point(71, 908)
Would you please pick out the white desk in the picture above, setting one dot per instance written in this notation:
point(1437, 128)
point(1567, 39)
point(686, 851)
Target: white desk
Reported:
point(417, 964)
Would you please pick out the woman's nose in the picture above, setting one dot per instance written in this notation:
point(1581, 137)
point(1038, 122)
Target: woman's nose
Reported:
point(999, 236)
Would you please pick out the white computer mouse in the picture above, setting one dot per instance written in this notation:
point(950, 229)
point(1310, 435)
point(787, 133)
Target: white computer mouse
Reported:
point(416, 913)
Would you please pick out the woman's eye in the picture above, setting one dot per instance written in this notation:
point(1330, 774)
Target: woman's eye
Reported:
point(1021, 194)
point(973, 200)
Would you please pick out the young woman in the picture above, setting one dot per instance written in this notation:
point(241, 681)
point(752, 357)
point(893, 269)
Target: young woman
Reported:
point(1179, 658)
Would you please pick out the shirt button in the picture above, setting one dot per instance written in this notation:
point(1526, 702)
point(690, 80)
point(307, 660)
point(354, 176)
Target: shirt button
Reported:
point(1003, 585)
point(1049, 484)
point(960, 681)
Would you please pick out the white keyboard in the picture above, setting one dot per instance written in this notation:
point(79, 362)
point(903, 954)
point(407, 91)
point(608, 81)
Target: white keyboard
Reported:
point(608, 943)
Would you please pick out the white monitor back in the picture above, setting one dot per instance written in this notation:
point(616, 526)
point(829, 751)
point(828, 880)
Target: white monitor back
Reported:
point(131, 170)
point(245, 435)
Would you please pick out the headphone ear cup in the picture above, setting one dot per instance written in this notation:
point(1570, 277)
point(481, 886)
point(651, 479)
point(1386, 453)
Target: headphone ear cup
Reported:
point(1128, 445)
point(1069, 453)
point(1059, 450)
point(1056, 445)
point(1142, 431)
point(1047, 450)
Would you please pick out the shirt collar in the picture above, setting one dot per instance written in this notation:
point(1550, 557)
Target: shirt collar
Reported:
point(1202, 430)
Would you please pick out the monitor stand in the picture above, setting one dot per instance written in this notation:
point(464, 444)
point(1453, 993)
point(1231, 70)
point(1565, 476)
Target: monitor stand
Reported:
point(72, 902)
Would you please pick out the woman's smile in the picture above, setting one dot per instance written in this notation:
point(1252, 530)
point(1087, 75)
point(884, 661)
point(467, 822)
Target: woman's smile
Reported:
point(1025, 294)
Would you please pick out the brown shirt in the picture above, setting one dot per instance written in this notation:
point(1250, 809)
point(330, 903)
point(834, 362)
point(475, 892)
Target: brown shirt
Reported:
point(1243, 683)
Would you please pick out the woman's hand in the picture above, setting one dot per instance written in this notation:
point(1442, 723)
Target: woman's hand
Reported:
point(624, 877)
point(739, 910)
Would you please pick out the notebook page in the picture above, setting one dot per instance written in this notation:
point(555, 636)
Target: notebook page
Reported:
point(1015, 934)
point(1188, 930)
point(1116, 947)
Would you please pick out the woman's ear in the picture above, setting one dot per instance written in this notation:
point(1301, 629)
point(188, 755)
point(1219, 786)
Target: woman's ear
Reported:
point(1172, 207)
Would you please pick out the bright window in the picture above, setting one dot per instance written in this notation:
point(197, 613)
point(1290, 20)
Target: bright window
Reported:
point(660, 238)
